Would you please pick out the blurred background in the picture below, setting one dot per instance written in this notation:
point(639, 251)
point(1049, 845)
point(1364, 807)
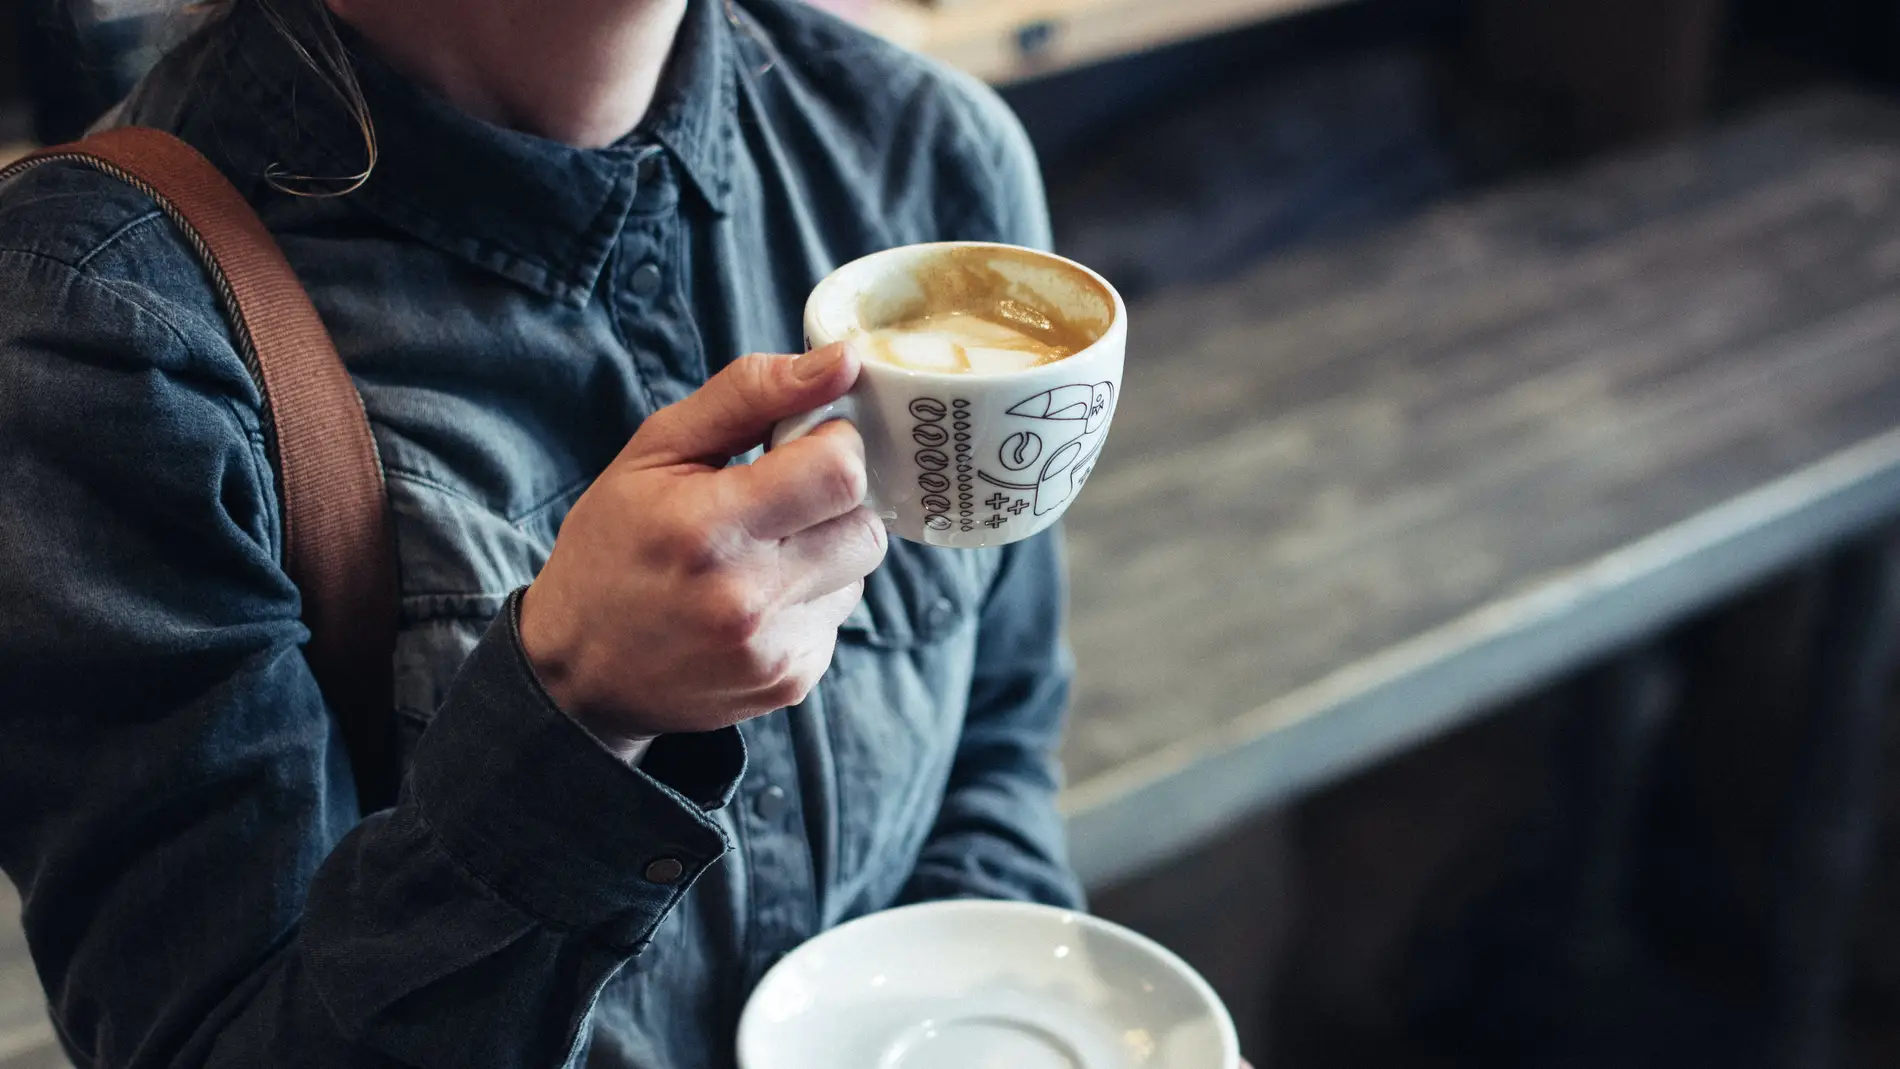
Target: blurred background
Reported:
point(1485, 606)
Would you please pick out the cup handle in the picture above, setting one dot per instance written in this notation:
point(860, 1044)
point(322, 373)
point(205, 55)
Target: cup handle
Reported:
point(796, 427)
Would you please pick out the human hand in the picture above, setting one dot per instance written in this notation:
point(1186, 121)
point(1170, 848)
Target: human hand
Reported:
point(683, 595)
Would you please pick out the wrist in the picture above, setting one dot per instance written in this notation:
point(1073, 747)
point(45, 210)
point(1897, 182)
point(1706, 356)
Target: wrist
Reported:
point(552, 659)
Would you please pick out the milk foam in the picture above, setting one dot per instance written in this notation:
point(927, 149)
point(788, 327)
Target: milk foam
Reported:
point(961, 343)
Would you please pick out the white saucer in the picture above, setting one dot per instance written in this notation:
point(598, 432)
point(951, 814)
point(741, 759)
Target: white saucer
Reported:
point(984, 985)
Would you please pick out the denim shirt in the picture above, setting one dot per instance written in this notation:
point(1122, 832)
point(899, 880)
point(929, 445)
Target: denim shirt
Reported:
point(175, 805)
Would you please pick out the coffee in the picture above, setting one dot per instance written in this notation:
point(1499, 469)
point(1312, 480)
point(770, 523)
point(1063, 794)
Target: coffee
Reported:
point(961, 343)
point(965, 313)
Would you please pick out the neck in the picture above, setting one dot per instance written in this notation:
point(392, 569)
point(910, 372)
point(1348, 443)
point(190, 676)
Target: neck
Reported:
point(582, 72)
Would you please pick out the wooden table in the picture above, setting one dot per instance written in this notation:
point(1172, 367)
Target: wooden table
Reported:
point(1362, 493)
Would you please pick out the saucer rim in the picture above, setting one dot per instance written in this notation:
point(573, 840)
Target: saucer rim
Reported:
point(749, 1016)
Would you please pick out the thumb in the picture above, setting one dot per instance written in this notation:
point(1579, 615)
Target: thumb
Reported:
point(736, 408)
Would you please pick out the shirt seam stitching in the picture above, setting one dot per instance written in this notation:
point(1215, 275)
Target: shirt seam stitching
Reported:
point(116, 236)
point(99, 285)
point(541, 504)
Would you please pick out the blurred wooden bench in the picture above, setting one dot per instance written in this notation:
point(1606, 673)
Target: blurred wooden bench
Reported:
point(1358, 495)
point(1003, 41)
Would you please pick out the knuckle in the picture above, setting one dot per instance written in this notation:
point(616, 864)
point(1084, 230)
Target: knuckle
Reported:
point(857, 540)
point(734, 615)
point(844, 434)
point(790, 690)
point(841, 477)
point(697, 547)
point(754, 375)
point(772, 667)
point(870, 529)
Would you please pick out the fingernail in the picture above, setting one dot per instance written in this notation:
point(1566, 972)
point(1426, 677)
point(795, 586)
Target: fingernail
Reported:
point(818, 363)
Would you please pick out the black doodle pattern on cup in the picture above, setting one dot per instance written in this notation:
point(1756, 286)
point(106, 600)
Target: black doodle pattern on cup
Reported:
point(931, 459)
point(1075, 420)
point(960, 422)
point(1020, 450)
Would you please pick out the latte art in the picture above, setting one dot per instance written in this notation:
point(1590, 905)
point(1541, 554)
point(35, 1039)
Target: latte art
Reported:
point(962, 343)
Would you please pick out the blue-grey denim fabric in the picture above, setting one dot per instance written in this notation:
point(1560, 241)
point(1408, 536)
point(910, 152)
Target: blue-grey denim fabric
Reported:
point(200, 888)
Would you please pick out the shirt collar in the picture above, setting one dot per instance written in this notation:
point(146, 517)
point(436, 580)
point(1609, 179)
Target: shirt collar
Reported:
point(541, 213)
point(694, 111)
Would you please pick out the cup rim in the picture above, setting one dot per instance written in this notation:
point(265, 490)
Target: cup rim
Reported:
point(1117, 321)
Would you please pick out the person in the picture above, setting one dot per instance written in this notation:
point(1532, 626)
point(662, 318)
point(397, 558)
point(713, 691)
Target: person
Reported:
point(666, 715)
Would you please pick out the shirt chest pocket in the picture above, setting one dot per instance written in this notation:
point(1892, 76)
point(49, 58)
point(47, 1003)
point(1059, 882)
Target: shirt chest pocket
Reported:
point(893, 707)
point(459, 559)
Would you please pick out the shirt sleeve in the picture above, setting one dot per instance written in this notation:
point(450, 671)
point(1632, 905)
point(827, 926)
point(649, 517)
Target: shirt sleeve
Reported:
point(198, 886)
point(998, 833)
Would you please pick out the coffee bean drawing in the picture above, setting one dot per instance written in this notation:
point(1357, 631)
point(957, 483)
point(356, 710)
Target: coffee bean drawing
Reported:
point(929, 413)
point(1020, 450)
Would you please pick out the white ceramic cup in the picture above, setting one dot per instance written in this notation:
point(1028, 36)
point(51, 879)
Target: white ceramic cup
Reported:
point(972, 460)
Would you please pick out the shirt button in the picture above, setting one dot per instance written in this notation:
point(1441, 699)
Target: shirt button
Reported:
point(940, 612)
point(645, 281)
point(665, 870)
point(648, 168)
point(772, 802)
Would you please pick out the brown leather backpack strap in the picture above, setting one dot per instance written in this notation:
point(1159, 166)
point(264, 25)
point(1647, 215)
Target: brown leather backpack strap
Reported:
point(338, 546)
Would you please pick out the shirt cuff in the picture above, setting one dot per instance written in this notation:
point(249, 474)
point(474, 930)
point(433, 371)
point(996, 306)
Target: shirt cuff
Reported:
point(542, 813)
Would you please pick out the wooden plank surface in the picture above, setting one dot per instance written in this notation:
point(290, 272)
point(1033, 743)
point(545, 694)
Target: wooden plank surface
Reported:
point(1004, 41)
point(1345, 470)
